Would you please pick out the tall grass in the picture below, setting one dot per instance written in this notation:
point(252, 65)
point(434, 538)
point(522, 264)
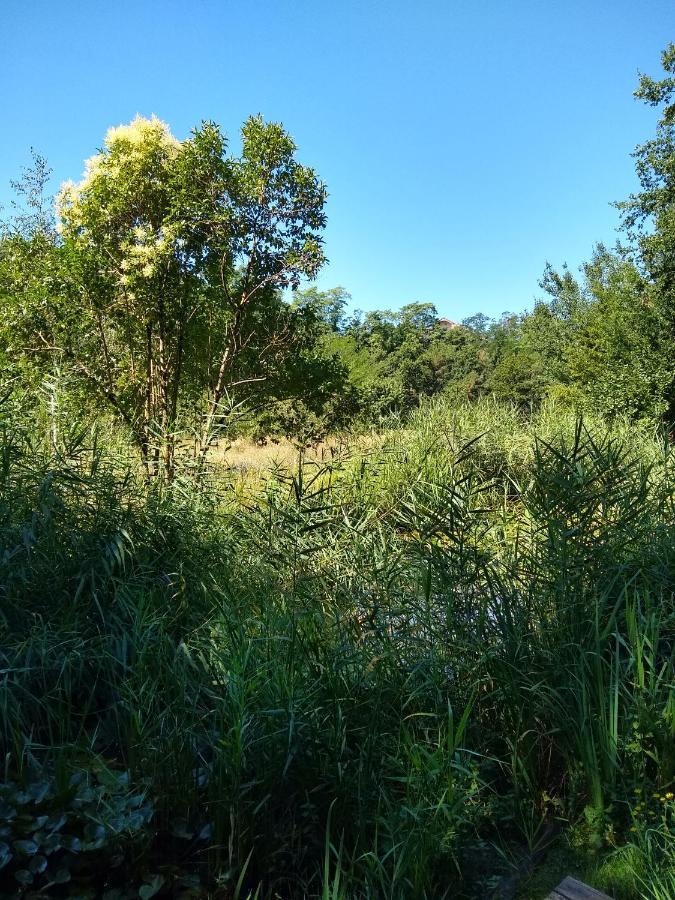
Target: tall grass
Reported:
point(391, 674)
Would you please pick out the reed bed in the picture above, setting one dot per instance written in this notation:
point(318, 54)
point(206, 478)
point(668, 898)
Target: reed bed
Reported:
point(406, 670)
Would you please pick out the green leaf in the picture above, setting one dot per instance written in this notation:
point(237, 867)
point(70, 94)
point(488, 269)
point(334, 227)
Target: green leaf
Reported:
point(72, 843)
point(7, 812)
point(27, 848)
point(151, 888)
point(38, 791)
point(23, 876)
point(38, 864)
point(51, 843)
point(55, 822)
point(136, 820)
point(5, 854)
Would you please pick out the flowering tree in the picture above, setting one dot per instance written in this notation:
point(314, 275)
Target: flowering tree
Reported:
point(169, 253)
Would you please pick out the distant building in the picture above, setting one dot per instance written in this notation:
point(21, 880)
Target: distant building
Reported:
point(448, 324)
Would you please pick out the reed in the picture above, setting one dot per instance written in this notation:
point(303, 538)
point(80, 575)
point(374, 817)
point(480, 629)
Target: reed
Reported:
point(387, 673)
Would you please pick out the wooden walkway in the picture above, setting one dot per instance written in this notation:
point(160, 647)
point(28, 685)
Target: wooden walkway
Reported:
point(571, 889)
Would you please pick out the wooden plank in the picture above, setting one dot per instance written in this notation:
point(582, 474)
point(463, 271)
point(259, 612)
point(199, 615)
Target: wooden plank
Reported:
point(571, 889)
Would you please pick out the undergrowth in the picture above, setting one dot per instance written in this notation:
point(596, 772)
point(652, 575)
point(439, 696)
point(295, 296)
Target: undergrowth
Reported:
point(400, 672)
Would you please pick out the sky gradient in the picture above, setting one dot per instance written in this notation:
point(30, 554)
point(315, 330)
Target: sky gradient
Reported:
point(463, 144)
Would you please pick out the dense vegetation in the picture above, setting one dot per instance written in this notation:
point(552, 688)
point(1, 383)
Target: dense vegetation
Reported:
point(435, 660)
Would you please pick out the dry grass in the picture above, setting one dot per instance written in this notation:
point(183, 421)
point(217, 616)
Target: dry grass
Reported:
point(243, 455)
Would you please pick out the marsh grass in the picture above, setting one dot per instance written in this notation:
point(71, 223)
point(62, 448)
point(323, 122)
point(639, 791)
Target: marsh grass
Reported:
point(386, 673)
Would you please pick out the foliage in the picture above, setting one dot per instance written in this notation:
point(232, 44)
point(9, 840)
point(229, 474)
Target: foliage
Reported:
point(57, 830)
point(361, 675)
point(649, 216)
point(166, 271)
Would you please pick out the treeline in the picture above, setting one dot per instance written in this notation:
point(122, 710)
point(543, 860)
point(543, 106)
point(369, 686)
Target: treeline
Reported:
point(600, 341)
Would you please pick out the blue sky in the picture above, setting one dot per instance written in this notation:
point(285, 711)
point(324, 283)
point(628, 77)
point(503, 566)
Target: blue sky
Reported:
point(463, 143)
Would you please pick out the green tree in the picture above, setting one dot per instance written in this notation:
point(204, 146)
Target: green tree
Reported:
point(539, 357)
point(328, 306)
point(306, 393)
point(620, 356)
point(170, 257)
point(649, 215)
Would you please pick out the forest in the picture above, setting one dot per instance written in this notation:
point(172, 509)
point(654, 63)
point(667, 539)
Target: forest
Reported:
point(416, 640)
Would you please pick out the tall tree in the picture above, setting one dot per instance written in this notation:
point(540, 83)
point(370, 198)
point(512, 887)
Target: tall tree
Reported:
point(328, 306)
point(649, 215)
point(618, 351)
point(170, 252)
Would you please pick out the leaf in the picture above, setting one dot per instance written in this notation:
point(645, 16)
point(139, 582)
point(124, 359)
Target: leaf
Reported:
point(55, 822)
point(151, 888)
point(51, 843)
point(62, 876)
point(7, 812)
point(27, 848)
point(38, 864)
point(205, 833)
point(5, 854)
point(94, 831)
point(135, 820)
point(86, 795)
point(72, 843)
point(39, 790)
point(23, 876)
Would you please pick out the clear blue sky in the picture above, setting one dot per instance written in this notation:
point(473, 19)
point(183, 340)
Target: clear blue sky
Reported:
point(463, 143)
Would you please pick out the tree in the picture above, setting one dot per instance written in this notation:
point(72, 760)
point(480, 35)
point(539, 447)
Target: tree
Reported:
point(328, 306)
point(649, 216)
point(533, 352)
point(170, 257)
point(619, 354)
